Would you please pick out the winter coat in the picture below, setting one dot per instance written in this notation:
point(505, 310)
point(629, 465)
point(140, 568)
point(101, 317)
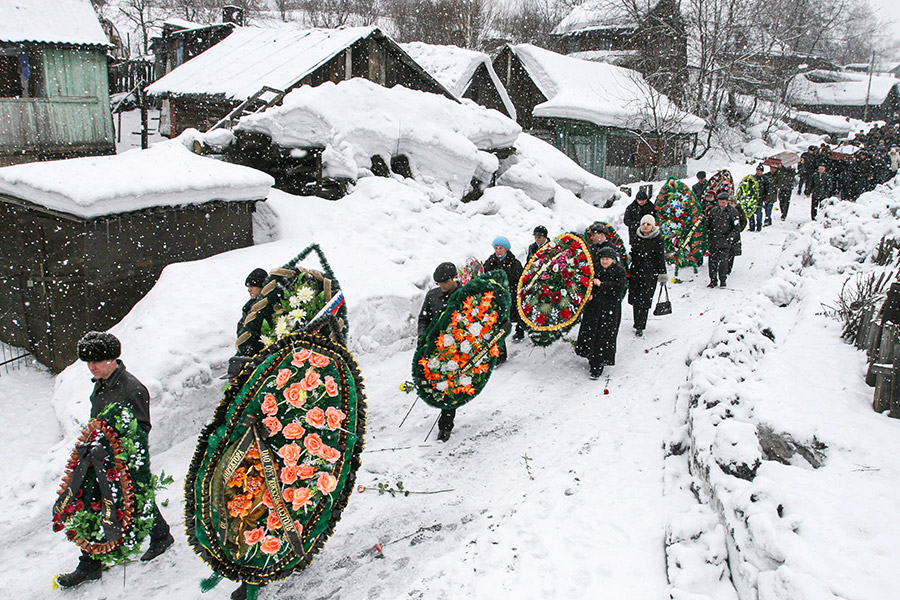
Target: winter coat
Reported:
point(648, 261)
point(764, 189)
point(783, 179)
point(532, 248)
point(253, 345)
point(634, 212)
point(822, 185)
point(435, 301)
point(513, 269)
point(809, 162)
point(721, 225)
point(122, 387)
point(895, 160)
point(699, 189)
point(602, 314)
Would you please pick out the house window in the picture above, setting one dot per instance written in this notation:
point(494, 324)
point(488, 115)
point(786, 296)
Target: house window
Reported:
point(19, 73)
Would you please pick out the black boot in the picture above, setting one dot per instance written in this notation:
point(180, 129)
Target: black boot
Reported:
point(241, 592)
point(157, 547)
point(443, 435)
point(88, 569)
point(596, 372)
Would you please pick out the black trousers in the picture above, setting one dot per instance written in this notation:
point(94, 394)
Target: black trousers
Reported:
point(718, 264)
point(445, 422)
point(784, 201)
point(640, 317)
point(814, 207)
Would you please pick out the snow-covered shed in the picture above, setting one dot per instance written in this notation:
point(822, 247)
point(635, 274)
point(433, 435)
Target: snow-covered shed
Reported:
point(337, 133)
point(209, 86)
point(606, 118)
point(466, 73)
point(85, 238)
point(54, 92)
point(854, 95)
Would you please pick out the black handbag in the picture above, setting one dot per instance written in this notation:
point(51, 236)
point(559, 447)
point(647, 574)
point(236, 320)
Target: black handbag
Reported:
point(663, 307)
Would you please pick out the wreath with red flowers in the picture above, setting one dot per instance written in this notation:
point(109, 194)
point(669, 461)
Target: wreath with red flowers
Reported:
point(681, 223)
point(273, 471)
point(459, 349)
point(554, 287)
point(106, 499)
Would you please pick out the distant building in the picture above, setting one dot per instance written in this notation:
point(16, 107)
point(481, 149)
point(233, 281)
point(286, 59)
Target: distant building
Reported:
point(210, 86)
point(606, 118)
point(885, 69)
point(648, 36)
point(84, 239)
point(849, 94)
point(54, 91)
point(466, 73)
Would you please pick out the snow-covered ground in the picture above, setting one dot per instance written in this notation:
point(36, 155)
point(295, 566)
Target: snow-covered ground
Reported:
point(552, 486)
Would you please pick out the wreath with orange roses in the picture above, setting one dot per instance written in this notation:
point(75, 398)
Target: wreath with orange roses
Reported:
point(273, 471)
point(106, 498)
point(455, 356)
point(554, 288)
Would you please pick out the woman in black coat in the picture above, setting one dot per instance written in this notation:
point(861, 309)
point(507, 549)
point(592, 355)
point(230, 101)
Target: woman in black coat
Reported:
point(603, 312)
point(648, 266)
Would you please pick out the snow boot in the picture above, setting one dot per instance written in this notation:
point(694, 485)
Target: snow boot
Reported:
point(712, 284)
point(157, 547)
point(241, 592)
point(88, 569)
point(639, 333)
point(596, 372)
point(443, 435)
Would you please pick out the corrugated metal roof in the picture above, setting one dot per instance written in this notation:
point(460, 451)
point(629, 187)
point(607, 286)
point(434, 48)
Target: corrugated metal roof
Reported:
point(251, 57)
point(51, 21)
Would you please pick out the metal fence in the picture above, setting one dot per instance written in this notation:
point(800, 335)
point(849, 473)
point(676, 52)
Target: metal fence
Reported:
point(12, 358)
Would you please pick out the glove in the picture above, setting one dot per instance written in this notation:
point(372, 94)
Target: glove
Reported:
point(662, 278)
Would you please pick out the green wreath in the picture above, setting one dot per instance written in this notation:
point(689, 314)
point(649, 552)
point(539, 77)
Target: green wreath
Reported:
point(682, 224)
point(291, 296)
point(275, 468)
point(748, 195)
point(459, 349)
point(106, 499)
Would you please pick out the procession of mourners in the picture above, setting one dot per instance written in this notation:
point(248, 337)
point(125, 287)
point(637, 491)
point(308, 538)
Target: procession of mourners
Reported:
point(570, 279)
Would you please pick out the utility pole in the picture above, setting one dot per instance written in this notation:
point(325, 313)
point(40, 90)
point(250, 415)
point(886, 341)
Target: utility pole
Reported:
point(869, 87)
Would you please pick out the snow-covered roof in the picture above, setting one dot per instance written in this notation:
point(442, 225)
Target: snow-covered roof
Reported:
point(604, 14)
point(454, 68)
point(353, 120)
point(831, 124)
point(599, 93)
point(613, 57)
point(165, 175)
point(839, 88)
point(253, 57)
point(51, 22)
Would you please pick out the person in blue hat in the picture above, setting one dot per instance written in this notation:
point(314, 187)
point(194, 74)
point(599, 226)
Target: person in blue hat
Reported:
point(504, 260)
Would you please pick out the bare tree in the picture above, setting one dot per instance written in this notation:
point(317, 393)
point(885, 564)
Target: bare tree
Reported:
point(532, 21)
point(142, 15)
point(336, 13)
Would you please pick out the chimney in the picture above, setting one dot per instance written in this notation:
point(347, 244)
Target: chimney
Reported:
point(233, 14)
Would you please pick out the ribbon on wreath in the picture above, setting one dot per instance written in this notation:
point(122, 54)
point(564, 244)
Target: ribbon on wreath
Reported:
point(95, 456)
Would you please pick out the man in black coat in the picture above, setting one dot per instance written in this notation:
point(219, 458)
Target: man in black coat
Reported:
point(822, 187)
point(435, 302)
point(722, 223)
point(602, 314)
point(112, 383)
point(635, 211)
point(504, 260)
point(809, 162)
point(782, 179)
point(251, 344)
point(699, 188)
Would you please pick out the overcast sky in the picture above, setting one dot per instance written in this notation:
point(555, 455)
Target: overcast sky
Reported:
point(889, 9)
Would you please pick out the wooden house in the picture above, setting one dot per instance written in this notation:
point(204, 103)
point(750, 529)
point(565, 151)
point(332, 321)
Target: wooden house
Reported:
point(853, 95)
point(606, 118)
point(211, 85)
point(466, 73)
point(85, 239)
point(54, 93)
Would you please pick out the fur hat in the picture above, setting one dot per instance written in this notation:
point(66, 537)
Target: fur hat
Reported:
point(256, 278)
point(641, 195)
point(540, 230)
point(701, 174)
point(97, 346)
point(501, 241)
point(598, 228)
point(722, 196)
point(648, 219)
point(607, 252)
point(444, 272)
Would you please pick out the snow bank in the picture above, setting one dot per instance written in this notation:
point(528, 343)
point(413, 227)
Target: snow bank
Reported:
point(446, 142)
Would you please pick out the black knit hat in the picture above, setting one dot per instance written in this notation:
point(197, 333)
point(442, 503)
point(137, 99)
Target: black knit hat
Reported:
point(540, 230)
point(256, 278)
point(701, 174)
point(444, 272)
point(642, 195)
point(607, 252)
point(98, 346)
point(722, 195)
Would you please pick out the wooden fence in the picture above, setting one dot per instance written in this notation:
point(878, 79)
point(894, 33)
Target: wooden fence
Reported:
point(879, 336)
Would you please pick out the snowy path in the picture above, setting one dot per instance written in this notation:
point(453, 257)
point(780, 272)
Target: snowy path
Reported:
point(590, 524)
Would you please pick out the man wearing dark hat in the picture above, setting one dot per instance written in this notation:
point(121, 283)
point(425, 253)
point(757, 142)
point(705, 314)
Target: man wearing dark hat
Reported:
point(635, 211)
point(699, 188)
point(809, 162)
point(254, 282)
point(112, 383)
point(435, 302)
point(722, 223)
point(821, 186)
point(540, 238)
